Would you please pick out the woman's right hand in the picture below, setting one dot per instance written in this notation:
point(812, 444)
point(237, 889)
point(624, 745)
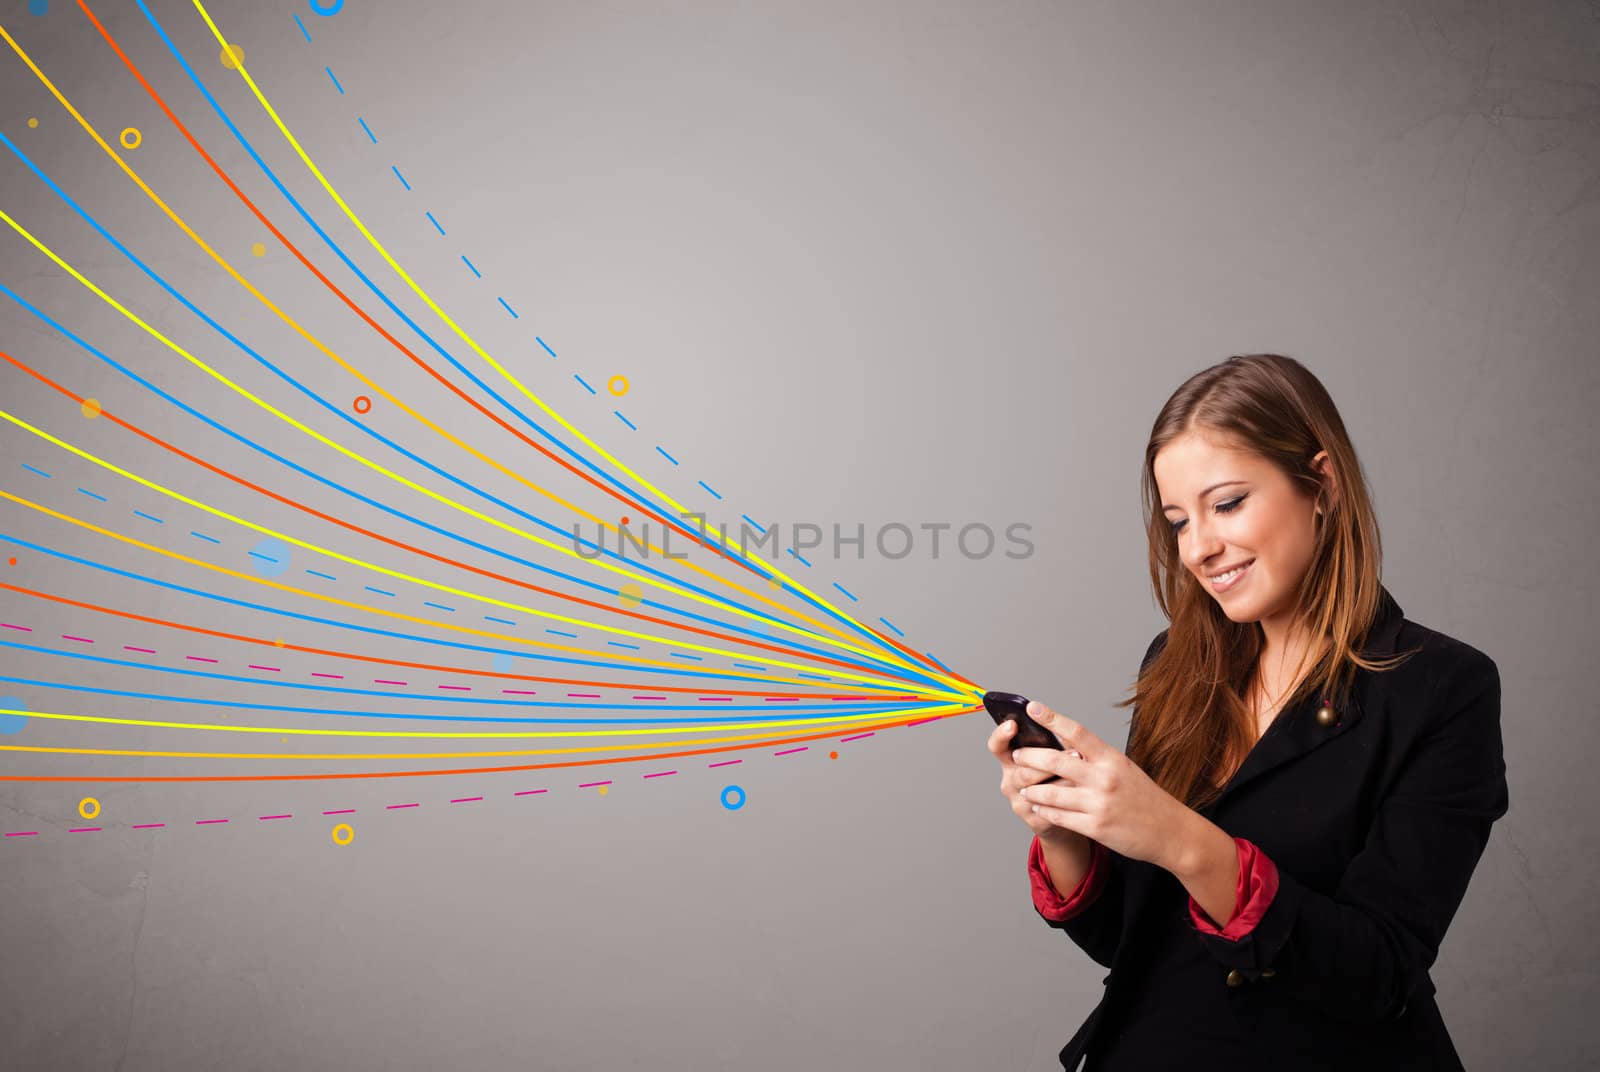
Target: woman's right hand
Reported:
point(1015, 777)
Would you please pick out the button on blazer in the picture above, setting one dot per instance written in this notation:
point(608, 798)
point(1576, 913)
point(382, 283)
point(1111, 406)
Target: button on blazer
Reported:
point(1375, 819)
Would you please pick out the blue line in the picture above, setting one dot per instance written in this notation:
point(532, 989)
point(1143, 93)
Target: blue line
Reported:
point(502, 621)
point(469, 264)
point(845, 590)
point(203, 536)
point(324, 576)
point(336, 84)
point(41, 472)
point(149, 517)
point(394, 168)
point(92, 495)
point(302, 26)
point(671, 459)
point(585, 383)
point(508, 309)
point(449, 357)
point(366, 128)
point(546, 346)
point(438, 606)
point(379, 591)
point(625, 420)
point(709, 488)
point(754, 522)
point(434, 222)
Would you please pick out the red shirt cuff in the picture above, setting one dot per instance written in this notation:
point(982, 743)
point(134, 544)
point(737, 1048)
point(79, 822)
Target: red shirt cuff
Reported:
point(1051, 904)
point(1258, 883)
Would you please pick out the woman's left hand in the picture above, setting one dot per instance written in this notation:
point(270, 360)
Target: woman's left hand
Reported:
point(1104, 795)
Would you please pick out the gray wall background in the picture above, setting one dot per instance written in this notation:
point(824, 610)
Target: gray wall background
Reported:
point(826, 242)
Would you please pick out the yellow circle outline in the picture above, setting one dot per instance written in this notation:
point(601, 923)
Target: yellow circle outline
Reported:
point(611, 385)
point(350, 834)
point(138, 138)
point(84, 808)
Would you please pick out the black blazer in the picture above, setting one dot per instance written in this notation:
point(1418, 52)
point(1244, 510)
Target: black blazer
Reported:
point(1375, 822)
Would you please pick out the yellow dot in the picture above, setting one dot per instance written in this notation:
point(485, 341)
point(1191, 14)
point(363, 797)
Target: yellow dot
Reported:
point(343, 834)
point(258, 249)
point(91, 408)
point(232, 56)
point(131, 138)
point(631, 594)
point(88, 807)
point(603, 789)
point(33, 124)
point(278, 642)
point(617, 385)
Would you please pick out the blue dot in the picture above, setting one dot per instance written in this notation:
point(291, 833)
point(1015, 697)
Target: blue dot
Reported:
point(504, 664)
point(40, 7)
point(270, 557)
point(327, 7)
point(733, 789)
point(12, 723)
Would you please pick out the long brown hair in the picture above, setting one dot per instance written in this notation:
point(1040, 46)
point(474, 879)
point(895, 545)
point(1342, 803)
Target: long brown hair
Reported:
point(1190, 720)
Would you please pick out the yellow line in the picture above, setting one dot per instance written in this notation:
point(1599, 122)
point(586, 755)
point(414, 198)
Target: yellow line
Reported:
point(535, 399)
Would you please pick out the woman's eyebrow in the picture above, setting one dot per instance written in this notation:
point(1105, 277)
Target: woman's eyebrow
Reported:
point(1169, 506)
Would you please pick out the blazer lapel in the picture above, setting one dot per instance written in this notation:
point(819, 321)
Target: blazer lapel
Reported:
point(1296, 731)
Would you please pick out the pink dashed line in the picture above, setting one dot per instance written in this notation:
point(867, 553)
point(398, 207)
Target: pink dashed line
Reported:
point(526, 792)
point(341, 811)
point(518, 692)
point(142, 651)
point(208, 822)
point(336, 677)
point(200, 658)
point(583, 695)
point(84, 830)
point(782, 699)
point(380, 681)
point(925, 721)
point(264, 818)
point(716, 699)
point(20, 629)
point(392, 807)
point(150, 826)
point(661, 774)
point(725, 763)
point(857, 737)
point(791, 751)
point(649, 697)
point(586, 785)
point(274, 669)
point(457, 688)
point(465, 800)
point(23, 833)
point(79, 639)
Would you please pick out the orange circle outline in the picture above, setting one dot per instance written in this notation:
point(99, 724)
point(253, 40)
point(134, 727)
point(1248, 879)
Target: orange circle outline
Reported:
point(356, 405)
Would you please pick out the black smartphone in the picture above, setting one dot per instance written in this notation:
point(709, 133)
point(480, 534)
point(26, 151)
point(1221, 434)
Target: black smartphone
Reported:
point(1004, 705)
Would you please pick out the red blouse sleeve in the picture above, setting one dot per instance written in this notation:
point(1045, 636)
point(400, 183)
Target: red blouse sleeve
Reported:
point(1051, 904)
point(1258, 883)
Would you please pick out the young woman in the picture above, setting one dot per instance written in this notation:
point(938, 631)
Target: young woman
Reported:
point(1310, 777)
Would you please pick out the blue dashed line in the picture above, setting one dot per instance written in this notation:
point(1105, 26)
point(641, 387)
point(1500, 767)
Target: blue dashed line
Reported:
point(502, 621)
point(625, 420)
point(336, 84)
point(681, 655)
point(395, 168)
point(798, 557)
point(148, 517)
point(942, 666)
point(265, 558)
point(32, 469)
point(302, 26)
point(469, 264)
point(557, 632)
point(667, 456)
point(92, 495)
point(709, 488)
point(846, 591)
point(584, 382)
point(815, 677)
point(438, 606)
point(508, 309)
point(435, 222)
point(891, 625)
point(754, 522)
point(546, 346)
point(379, 591)
point(324, 576)
point(366, 128)
point(203, 536)
point(748, 666)
point(614, 643)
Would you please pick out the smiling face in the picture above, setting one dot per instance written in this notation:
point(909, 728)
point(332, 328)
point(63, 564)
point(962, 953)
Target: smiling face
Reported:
point(1230, 506)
